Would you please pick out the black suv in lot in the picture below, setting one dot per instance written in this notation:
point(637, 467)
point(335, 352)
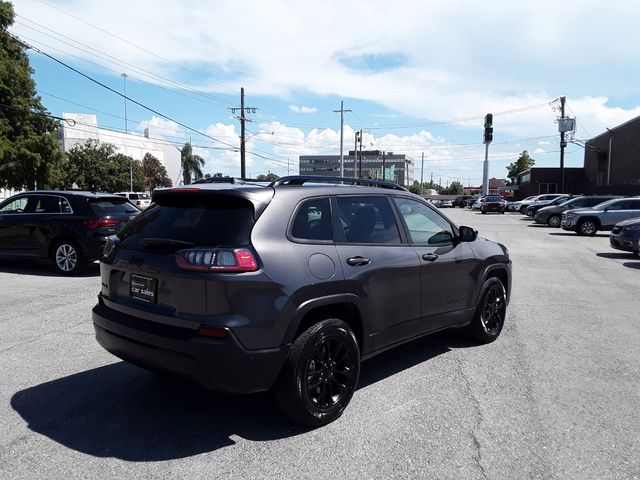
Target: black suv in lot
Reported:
point(245, 286)
point(70, 227)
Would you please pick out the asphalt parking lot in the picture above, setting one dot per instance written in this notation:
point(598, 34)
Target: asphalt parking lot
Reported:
point(556, 396)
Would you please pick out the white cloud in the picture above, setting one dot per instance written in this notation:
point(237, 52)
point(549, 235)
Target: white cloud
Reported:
point(303, 109)
point(539, 150)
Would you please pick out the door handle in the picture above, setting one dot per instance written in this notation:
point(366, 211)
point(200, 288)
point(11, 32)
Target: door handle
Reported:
point(358, 261)
point(429, 257)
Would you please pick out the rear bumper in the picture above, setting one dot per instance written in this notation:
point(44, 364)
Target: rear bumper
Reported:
point(218, 364)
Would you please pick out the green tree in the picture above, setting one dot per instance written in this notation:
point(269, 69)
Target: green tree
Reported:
point(415, 188)
point(96, 166)
point(523, 163)
point(269, 177)
point(191, 164)
point(155, 174)
point(29, 153)
point(456, 188)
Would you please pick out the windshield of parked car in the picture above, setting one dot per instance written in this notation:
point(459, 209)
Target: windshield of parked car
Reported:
point(493, 198)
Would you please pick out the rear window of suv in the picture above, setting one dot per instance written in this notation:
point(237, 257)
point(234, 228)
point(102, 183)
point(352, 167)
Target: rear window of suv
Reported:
point(111, 206)
point(211, 223)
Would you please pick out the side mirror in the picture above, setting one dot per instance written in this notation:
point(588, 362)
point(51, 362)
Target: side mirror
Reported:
point(468, 234)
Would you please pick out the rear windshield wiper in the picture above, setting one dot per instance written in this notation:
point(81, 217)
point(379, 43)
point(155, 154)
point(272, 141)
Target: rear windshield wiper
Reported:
point(164, 242)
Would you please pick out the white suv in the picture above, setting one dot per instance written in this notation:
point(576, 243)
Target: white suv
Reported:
point(139, 199)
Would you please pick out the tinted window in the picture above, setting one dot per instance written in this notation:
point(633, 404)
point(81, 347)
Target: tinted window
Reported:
point(368, 220)
point(621, 205)
point(313, 220)
point(46, 204)
point(111, 206)
point(592, 202)
point(64, 206)
point(425, 226)
point(19, 205)
point(493, 198)
point(205, 224)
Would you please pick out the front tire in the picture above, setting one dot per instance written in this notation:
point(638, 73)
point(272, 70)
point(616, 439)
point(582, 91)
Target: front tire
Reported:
point(320, 374)
point(554, 221)
point(67, 257)
point(489, 318)
point(587, 227)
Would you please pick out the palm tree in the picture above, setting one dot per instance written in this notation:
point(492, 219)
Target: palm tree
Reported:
point(191, 164)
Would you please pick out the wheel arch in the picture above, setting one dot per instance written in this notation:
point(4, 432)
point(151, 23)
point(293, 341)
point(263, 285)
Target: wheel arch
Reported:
point(343, 307)
point(62, 237)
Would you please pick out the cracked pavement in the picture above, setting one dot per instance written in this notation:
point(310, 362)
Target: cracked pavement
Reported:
point(556, 397)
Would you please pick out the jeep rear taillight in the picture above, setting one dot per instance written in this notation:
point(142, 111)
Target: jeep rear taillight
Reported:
point(217, 260)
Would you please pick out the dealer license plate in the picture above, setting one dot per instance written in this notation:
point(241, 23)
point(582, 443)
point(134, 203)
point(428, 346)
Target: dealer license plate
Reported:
point(143, 288)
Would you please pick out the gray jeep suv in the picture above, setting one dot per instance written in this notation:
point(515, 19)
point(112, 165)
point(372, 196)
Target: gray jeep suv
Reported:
point(245, 286)
point(603, 216)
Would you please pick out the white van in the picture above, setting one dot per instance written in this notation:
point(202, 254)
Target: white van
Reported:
point(139, 199)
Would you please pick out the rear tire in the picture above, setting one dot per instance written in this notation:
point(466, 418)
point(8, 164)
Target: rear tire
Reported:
point(490, 314)
point(67, 257)
point(320, 374)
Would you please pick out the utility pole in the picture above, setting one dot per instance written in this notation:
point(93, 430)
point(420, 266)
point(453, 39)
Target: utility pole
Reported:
point(422, 177)
point(563, 143)
point(243, 120)
point(342, 110)
point(355, 155)
point(126, 128)
point(360, 157)
point(384, 167)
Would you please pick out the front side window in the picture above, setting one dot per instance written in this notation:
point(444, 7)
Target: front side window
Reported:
point(425, 226)
point(621, 205)
point(313, 220)
point(19, 205)
point(368, 220)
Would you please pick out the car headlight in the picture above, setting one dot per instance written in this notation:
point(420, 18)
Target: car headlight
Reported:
point(632, 227)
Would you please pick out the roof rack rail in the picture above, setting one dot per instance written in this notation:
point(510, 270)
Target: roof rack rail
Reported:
point(234, 180)
point(302, 179)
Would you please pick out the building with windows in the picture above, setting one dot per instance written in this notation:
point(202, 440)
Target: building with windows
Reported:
point(368, 164)
point(82, 127)
point(541, 180)
point(612, 160)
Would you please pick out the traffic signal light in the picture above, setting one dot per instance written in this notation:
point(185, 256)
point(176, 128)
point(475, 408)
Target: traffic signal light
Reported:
point(488, 128)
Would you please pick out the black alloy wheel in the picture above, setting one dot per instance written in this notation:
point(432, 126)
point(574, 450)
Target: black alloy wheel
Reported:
point(554, 221)
point(490, 313)
point(587, 227)
point(320, 375)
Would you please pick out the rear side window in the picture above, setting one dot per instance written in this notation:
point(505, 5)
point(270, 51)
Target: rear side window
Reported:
point(47, 204)
point(368, 220)
point(111, 206)
point(203, 224)
point(313, 220)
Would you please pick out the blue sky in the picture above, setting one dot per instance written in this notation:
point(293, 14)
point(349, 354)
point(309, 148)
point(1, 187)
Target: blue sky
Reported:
point(417, 75)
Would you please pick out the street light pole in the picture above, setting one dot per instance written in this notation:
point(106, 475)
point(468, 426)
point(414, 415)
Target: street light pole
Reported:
point(126, 129)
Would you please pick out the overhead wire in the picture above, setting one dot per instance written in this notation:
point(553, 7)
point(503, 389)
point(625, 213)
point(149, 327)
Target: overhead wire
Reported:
point(143, 49)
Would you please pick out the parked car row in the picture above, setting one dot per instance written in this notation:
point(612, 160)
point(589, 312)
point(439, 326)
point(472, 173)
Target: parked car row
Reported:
point(588, 214)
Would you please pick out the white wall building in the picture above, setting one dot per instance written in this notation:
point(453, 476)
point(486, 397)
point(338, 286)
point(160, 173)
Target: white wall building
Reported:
point(135, 146)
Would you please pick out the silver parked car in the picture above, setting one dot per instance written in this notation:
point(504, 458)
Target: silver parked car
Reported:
point(601, 217)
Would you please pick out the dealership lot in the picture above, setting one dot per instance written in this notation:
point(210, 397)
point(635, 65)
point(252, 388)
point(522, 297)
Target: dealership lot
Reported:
point(556, 396)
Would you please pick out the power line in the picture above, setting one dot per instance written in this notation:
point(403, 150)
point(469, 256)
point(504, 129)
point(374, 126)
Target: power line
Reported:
point(130, 43)
point(158, 81)
point(97, 82)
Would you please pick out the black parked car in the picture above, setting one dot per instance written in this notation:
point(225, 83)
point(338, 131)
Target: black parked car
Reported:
point(493, 203)
point(71, 228)
point(461, 201)
point(552, 214)
point(626, 236)
point(245, 286)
